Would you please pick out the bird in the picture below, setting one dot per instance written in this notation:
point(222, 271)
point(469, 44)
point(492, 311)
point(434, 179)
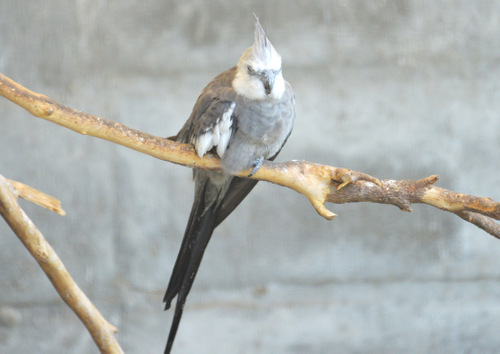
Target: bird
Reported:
point(245, 116)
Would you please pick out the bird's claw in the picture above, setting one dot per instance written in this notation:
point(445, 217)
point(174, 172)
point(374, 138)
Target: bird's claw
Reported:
point(256, 165)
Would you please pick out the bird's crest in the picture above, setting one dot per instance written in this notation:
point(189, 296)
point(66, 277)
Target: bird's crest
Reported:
point(263, 50)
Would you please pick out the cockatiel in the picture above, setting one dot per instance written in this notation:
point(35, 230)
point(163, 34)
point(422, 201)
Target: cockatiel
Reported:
point(245, 115)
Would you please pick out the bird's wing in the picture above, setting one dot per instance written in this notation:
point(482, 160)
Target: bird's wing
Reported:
point(211, 122)
point(209, 127)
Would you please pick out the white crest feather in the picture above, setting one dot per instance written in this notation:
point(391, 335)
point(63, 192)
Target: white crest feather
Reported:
point(263, 50)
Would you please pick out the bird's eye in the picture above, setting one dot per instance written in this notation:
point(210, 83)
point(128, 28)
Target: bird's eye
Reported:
point(251, 71)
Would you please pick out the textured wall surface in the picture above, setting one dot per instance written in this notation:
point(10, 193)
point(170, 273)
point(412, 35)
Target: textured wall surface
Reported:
point(397, 89)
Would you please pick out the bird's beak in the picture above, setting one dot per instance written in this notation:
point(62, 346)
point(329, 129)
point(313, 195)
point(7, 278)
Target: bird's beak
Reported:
point(268, 82)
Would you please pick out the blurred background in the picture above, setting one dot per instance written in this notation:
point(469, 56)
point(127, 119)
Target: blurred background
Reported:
point(396, 89)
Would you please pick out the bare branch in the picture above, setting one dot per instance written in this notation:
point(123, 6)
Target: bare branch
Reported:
point(476, 210)
point(101, 331)
point(318, 183)
point(35, 196)
point(44, 107)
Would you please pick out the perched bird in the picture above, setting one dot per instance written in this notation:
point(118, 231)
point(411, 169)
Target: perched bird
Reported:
point(245, 115)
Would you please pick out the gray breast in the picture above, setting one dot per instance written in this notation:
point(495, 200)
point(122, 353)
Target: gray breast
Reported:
point(261, 130)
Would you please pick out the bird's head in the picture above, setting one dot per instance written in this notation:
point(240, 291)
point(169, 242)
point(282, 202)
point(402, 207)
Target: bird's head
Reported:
point(258, 75)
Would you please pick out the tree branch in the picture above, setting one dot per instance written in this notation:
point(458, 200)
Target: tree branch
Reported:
point(101, 331)
point(476, 210)
point(318, 183)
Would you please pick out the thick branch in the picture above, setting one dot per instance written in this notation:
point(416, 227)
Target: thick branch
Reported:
point(318, 183)
point(101, 331)
point(44, 107)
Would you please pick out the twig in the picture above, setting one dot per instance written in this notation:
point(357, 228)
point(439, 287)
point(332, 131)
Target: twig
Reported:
point(35, 196)
point(101, 331)
point(318, 183)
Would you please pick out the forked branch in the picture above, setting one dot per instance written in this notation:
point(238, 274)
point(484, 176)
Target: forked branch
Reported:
point(101, 331)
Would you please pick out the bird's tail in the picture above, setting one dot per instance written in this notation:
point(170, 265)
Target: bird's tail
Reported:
point(202, 222)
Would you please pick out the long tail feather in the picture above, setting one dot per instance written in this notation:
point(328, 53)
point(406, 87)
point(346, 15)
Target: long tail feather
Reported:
point(181, 264)
point(198, 233)
point(207, 213)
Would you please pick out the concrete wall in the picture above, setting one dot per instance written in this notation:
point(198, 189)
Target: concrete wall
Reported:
point(397, 89)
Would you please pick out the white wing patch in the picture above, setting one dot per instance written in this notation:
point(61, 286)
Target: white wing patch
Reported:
point(217, 135)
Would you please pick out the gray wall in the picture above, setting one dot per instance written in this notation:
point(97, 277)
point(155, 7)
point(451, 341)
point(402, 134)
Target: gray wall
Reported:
point(397, 89)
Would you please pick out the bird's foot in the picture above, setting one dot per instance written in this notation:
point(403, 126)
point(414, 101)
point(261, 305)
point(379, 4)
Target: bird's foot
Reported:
point(256, 165)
